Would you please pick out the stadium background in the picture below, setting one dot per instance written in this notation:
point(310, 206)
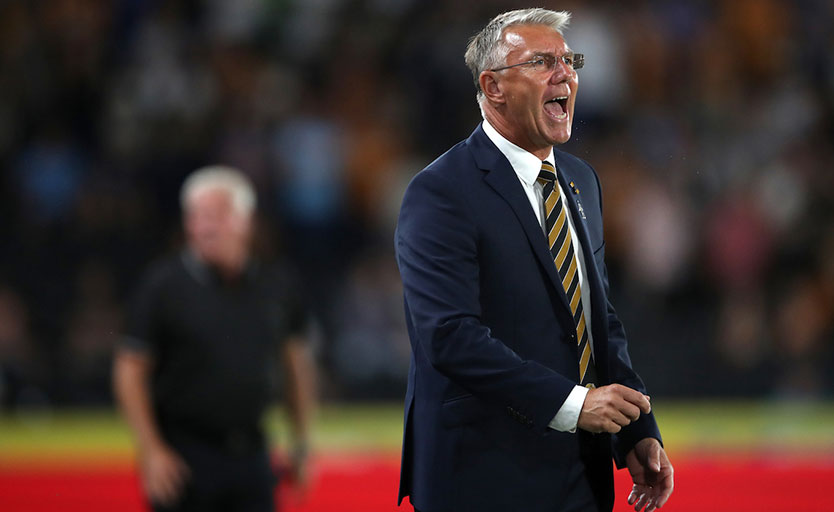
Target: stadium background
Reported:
point(712, 122)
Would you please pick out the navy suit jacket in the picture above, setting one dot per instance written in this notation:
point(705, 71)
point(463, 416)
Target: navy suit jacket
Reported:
point(494, 352)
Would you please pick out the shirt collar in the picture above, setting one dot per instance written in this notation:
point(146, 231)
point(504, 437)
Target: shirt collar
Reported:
point(207, 275)
point(525, 164)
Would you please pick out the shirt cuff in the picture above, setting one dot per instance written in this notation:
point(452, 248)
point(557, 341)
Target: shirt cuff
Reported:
point(568, 415)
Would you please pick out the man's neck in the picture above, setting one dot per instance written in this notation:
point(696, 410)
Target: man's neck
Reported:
point(497, 122)
point(227, 271)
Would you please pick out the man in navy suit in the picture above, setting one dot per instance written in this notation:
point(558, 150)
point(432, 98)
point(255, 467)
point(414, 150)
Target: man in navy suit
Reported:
point(521, 390)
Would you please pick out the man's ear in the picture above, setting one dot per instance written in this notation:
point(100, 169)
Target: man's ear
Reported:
point(490, 87)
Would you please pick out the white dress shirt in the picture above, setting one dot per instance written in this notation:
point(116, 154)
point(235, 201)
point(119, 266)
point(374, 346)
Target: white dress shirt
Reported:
point(527, 167)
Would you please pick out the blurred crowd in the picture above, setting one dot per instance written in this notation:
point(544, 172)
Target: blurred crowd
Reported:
point(711, 124)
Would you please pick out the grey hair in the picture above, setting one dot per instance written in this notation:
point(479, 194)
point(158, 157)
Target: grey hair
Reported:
point(486, 49)
point(223, 177)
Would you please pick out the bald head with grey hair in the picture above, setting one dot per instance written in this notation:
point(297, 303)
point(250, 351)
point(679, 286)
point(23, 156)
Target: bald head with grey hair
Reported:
point(487, 50)
point(219, 177)
point(217, 206)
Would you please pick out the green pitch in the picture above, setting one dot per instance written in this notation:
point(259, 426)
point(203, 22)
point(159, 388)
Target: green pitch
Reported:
point(708, 426)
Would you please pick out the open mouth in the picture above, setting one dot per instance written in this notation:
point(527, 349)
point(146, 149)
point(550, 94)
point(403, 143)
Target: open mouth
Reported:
point(557, 107)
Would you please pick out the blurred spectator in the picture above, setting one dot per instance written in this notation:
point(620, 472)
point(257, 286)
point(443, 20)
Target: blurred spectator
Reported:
point(93, 321)
point(371, 348)
point(604, 87)
point(49, 175)
point(715, 119)
point(803, 326)
point(21, 371)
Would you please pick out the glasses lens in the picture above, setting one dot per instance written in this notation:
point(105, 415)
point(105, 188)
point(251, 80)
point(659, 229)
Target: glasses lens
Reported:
point(544, 63)
point(578, 60)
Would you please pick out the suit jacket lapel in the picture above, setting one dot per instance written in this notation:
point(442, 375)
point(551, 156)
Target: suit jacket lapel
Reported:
point(503, 179)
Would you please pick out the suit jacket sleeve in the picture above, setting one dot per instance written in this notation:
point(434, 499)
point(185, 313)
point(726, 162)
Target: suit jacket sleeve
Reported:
point(437, 253)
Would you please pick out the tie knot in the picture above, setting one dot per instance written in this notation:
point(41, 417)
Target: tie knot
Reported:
point(547, 174)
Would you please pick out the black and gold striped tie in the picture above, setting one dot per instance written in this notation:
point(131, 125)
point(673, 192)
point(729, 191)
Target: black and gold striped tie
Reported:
point(561, 249)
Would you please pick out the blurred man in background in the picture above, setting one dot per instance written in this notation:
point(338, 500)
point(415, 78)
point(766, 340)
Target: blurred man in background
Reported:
point(192, 374)
point(521, 388)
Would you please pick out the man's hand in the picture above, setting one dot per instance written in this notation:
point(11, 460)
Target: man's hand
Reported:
point(164, 474)
point(610, 408)
point(652, 474)
point(295, 469)
point(300, 471)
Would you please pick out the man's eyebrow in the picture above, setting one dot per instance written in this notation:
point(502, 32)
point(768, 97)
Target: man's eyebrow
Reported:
point(545, 53)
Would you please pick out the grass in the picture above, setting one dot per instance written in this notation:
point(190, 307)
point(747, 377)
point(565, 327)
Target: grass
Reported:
point(712, 427)
point(747, 426)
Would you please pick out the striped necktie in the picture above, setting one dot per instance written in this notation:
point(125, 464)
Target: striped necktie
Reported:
point(561, 249)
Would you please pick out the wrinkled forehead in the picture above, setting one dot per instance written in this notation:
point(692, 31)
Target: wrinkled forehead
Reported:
point(534, 39)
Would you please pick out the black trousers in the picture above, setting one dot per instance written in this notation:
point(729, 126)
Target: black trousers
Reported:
point(580, 497)
point(581, 481)
point(224, 477)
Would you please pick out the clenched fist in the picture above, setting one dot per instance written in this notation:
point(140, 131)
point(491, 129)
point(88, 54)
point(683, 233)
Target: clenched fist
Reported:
point(610, 408)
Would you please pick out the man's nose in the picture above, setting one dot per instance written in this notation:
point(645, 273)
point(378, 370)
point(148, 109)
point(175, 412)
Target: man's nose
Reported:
point(562, 72)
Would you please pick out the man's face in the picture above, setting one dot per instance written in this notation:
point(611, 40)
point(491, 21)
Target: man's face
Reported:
point(539, 103)
point(216, 230)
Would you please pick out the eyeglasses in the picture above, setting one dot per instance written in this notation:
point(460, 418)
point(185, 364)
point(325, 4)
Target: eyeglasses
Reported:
point(548, 62)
